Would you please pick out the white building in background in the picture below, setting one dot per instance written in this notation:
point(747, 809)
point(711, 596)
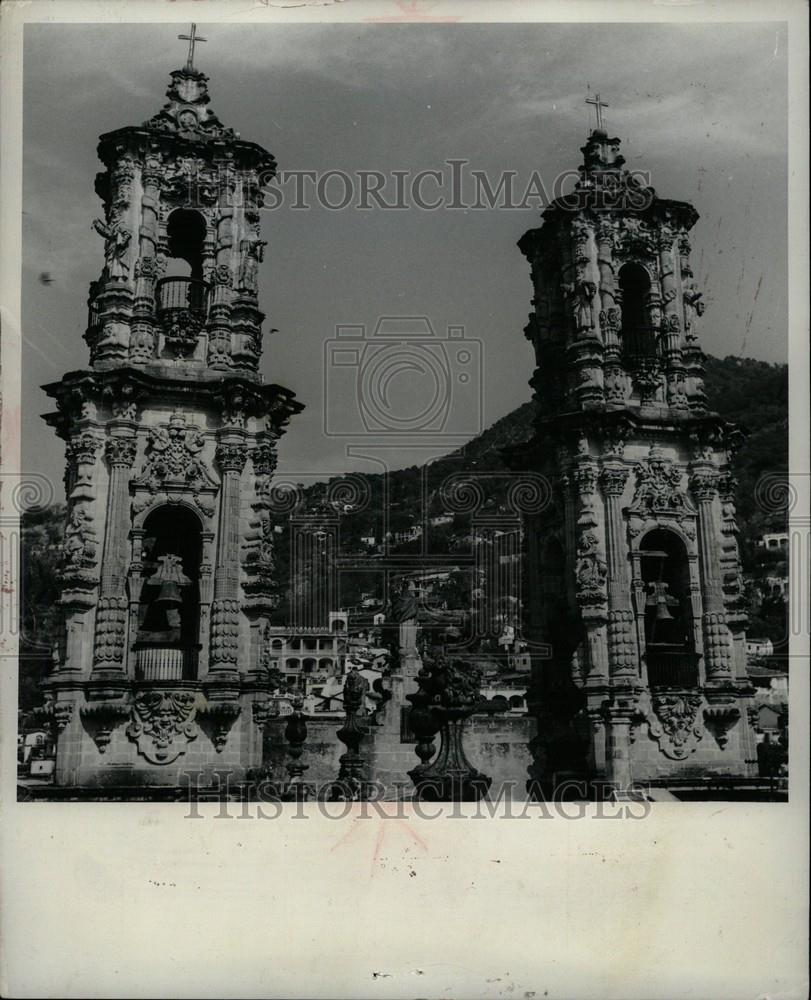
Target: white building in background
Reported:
point(308, 657)
point(759, 647)
point(775, 540)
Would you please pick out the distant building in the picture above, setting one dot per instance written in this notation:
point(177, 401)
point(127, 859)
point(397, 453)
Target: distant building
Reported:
point(440, 519)
point(308, 657)
point(775, 540)
point(759, 647)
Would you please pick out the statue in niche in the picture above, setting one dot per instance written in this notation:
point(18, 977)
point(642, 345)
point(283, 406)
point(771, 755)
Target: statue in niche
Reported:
point(162, 621)
point(116, 240)
point(252, 254)
point(693, 306)
point(581, 296)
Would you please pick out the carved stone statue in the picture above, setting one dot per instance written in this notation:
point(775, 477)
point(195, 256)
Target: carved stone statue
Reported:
point(253, 252)
point(693, 306)
point(581, 296)
point(116, 240)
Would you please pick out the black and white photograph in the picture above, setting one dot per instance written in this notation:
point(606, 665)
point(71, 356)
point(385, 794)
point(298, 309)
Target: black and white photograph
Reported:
point(403, 427)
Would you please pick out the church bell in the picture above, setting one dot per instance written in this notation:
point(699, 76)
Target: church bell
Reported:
point(662, 614)
point(169, 594)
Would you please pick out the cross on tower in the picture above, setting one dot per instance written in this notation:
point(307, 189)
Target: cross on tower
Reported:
point(192, 39)
point(599, 105)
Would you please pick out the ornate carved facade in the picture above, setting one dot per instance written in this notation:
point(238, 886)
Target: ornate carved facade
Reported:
point(171, 438)
point(634, 575)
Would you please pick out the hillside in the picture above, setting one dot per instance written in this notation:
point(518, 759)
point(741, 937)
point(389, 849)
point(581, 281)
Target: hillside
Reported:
point(752, 394)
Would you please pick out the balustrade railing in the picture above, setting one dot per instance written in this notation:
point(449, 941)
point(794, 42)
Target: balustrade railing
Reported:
point(640, 345)
point(182, 294)
point(166, 663)
point(671, 667)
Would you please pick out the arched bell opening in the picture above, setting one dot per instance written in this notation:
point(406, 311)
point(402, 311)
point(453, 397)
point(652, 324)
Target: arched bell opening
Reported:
point(639, 337)
point(167, 644)
point(182, 296)
point(669, 649)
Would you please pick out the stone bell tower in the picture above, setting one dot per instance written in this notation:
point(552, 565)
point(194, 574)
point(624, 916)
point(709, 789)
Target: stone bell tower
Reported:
point(171, 438)
point(635, 589)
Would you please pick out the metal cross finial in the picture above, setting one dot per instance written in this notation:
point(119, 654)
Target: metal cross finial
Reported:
point(192, 39)
point(599, 105)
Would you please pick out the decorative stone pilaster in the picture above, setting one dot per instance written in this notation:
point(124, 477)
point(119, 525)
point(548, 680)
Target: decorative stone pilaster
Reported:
point(622, 651)
point(703, 486)
point(111, 613)
point(231, 456)
point(219, 335)
point(590, 569)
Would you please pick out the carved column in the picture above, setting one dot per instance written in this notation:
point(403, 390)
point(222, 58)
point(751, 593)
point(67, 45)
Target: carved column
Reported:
point(703, 485)
point(618, 763)
point(231, 456)
point(111, 614)
point(219, 331)
point(148, 267)
point(622, 651)
point(590, 570)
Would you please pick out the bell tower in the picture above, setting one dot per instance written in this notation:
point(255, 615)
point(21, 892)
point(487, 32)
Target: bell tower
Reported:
point(636, 599)
point(171, 436)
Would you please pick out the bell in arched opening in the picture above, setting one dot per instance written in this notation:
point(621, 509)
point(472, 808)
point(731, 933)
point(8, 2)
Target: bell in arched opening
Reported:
point(669, 647)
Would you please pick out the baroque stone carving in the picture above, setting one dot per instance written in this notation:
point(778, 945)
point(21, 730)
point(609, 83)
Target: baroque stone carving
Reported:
point(111, 619)
point(658, 488)
point(231, 456)
point(225, 632)
point(163, 723)
point(590, 570)
point(616, 384)
point(613, 479)
point(121, 451)
point(101, 717)
point(622, 650)
point(81, 544)
point(218, 718)
point(720, 719)
point(717, 643)
point(116, 240)
point(704, 485)
point(673, 723)
point(173, 456)
point(182, 329)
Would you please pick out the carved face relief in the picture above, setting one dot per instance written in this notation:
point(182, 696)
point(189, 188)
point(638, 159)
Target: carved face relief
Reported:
point(163, 724)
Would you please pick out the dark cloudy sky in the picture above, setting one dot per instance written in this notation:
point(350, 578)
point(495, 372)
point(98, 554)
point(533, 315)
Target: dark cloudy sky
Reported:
point(703, 108)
